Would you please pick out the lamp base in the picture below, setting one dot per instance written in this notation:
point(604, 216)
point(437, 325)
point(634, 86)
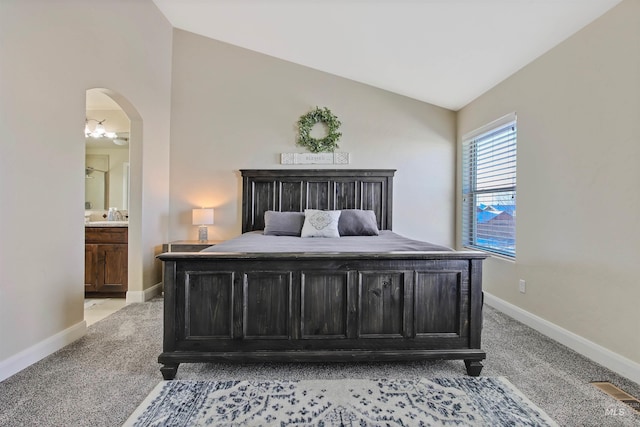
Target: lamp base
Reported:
point(203, 231)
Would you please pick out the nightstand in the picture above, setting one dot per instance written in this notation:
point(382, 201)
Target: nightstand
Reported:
point(188, 245)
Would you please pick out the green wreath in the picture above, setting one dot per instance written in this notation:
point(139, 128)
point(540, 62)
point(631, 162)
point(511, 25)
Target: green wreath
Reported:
point(319, 145)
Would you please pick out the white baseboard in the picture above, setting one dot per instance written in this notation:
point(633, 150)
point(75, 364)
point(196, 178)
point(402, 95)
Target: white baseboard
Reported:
point(31, 355)
point(146, 295)
point(607, 358)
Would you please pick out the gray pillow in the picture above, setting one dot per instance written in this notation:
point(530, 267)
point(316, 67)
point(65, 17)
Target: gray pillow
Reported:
point(358, 222)
point(283, 223)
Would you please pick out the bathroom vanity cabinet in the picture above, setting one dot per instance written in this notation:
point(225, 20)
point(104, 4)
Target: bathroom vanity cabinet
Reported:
point(105, 261)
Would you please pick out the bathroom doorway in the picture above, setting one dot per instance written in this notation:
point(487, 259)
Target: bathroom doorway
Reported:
point(107, 189)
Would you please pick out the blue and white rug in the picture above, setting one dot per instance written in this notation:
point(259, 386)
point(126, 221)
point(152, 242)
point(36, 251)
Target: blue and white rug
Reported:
point(464, 401)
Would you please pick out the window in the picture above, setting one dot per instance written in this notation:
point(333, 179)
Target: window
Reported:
point(489, 187)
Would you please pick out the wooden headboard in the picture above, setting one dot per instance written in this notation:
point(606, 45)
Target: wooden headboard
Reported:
point(300, 189)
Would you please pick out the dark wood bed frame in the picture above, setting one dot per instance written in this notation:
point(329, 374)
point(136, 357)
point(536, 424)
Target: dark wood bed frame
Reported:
point(298, 307)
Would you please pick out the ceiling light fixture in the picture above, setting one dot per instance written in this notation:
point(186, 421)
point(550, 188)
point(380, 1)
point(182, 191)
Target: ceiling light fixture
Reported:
point(99, 131)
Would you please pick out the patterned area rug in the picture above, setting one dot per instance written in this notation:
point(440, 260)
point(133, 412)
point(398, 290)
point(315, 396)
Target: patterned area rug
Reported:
point(464, 401)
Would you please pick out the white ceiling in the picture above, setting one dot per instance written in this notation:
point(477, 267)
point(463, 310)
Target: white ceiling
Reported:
point(445, 52)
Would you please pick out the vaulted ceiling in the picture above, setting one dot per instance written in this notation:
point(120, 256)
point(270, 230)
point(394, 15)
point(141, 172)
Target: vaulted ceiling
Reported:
point(444, 52)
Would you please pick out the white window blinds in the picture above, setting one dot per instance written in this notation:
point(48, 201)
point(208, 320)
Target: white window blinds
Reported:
point(489, 188)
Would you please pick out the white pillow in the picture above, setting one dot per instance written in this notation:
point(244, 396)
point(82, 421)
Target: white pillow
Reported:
point(319, 223)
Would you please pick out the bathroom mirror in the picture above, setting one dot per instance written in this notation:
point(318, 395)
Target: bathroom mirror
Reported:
point(96, 186)
point(107, 179)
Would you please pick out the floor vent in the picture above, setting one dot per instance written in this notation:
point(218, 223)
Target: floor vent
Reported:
point(618, 394)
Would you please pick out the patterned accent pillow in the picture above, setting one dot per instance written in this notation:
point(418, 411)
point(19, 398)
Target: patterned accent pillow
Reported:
point(319, 223)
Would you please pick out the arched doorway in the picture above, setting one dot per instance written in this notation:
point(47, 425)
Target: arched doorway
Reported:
point(118, 160)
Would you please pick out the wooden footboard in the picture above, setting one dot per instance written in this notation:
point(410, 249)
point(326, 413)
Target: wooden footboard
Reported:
point(322, 307)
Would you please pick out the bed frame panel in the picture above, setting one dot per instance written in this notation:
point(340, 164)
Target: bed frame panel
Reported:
point(294, 307)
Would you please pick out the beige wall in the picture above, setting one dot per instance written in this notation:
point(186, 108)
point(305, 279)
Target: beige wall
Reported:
point(234, 109)
point(51, 53)
point(578, 226)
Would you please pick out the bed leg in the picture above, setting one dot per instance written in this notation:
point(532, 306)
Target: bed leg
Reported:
point(169, 370)
point(474, 366)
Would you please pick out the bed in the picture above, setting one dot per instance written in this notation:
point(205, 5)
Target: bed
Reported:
point(340, 299)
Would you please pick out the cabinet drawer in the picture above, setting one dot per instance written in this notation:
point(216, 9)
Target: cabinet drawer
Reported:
point(105, 234)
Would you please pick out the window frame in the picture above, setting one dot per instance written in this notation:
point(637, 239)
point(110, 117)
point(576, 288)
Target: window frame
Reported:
point(504, 185)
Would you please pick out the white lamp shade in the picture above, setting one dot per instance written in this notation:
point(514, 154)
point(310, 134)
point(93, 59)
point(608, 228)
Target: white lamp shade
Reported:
point(202, 216)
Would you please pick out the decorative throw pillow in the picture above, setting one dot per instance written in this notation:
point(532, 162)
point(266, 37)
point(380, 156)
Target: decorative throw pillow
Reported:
point(283, 223)
point(358, 222)
point(319, 223)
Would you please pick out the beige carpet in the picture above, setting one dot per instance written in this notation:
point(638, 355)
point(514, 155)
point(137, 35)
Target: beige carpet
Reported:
point(102, 378)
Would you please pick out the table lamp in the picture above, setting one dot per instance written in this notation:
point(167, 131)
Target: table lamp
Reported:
point(202, 217)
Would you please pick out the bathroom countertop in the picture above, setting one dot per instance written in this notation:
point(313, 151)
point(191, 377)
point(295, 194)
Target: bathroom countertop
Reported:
point(107, 224)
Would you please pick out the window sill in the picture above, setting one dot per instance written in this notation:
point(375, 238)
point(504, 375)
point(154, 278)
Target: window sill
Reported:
point(492, 254)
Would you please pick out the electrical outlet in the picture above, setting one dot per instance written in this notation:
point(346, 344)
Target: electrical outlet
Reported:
point(523, 286)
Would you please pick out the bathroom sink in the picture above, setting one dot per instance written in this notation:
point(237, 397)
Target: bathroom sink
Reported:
point(107, 224)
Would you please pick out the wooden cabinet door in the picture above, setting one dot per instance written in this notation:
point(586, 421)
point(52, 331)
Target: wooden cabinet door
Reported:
point(90, 268)
point(112, 268)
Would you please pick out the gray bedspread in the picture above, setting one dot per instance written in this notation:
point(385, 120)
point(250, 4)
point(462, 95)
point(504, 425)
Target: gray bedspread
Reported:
point(387, 241)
